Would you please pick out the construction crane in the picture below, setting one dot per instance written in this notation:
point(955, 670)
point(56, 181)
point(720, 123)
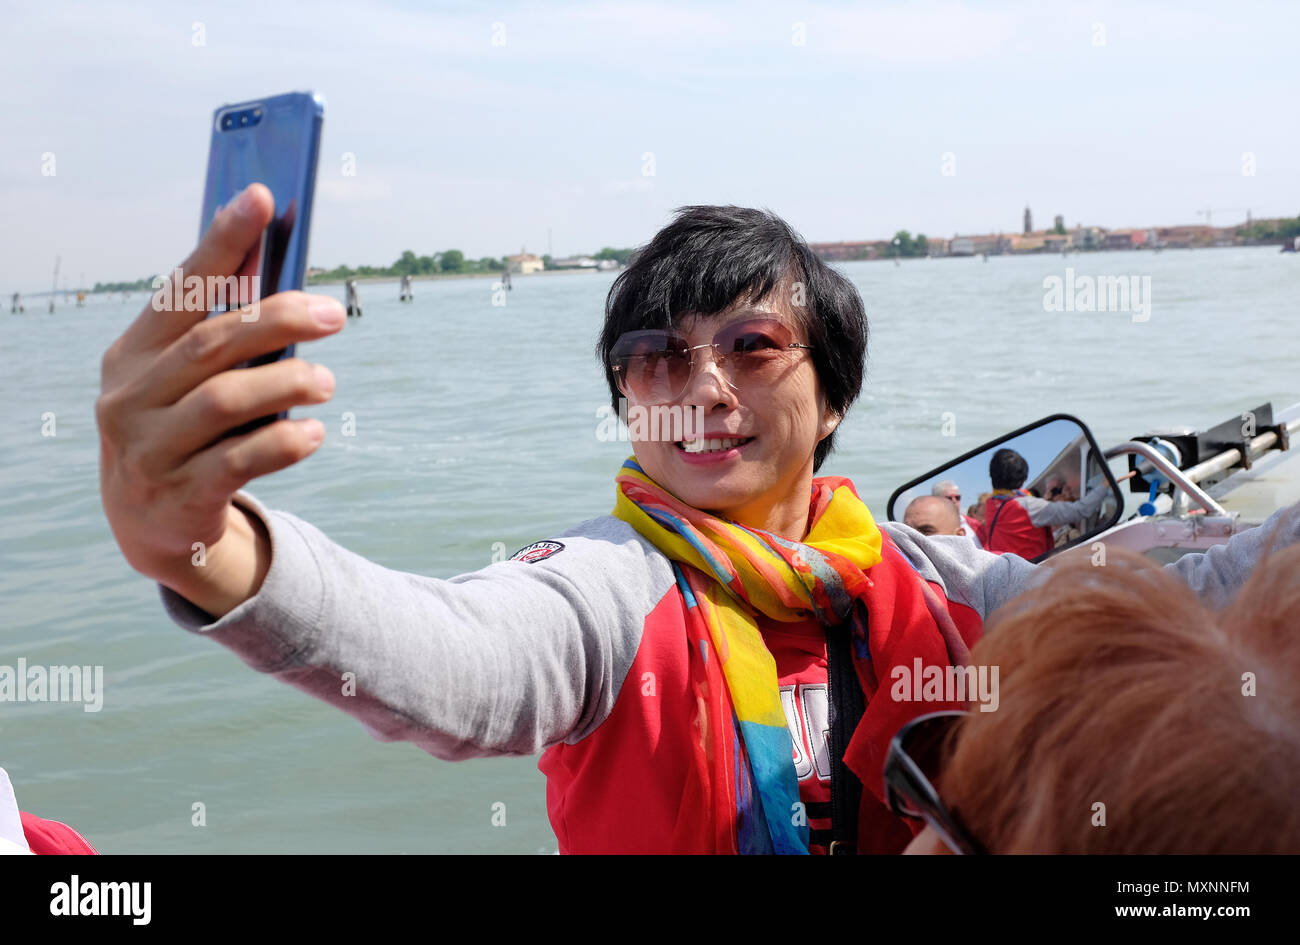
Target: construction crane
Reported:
point(1207, 213)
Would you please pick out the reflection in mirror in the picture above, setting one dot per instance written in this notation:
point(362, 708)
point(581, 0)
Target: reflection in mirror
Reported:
point(1032, 494)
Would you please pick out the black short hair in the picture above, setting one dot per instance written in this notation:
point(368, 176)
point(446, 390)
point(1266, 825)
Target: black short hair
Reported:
point(711, 256)
point(1008, 469)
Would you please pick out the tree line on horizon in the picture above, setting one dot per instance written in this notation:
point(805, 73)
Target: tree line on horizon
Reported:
point(904, 246)
point(451, 261)
point(448, 262)
point(1284, 230)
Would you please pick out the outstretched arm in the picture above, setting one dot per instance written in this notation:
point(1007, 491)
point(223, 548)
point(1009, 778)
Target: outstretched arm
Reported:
point(1217, 574)
point(1043, 512)
point(505, 660)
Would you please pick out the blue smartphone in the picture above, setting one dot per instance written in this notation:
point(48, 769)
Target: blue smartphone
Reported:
point(274, 141)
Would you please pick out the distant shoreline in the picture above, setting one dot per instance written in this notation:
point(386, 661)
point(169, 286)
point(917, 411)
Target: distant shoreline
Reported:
point(1071, 251)
point(426, 277)
point(556, 272)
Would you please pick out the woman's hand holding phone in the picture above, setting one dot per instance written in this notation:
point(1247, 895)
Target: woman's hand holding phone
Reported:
point(170, 392)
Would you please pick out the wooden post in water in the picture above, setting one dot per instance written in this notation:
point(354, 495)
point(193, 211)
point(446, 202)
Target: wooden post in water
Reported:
point(353, 303)
point(406, 295)
point(55, 287)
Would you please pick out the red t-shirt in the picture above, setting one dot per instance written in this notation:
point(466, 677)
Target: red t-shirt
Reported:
point(800, 653)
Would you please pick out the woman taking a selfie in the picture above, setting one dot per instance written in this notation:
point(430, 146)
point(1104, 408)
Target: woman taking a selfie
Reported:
point(706, 669)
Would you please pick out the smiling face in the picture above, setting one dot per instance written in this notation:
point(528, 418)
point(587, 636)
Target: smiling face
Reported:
point(760, 473)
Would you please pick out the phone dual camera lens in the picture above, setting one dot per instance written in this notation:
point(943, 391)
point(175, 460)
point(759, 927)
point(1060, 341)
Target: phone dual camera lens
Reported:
point(241, 118)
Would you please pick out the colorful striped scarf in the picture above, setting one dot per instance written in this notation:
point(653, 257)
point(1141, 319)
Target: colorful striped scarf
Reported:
point(727, 573)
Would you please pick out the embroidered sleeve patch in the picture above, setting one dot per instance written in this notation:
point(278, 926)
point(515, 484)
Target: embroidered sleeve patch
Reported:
point(537, 551)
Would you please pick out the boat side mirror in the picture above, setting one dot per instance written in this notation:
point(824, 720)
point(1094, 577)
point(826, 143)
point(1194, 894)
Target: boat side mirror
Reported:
point(1034, 492)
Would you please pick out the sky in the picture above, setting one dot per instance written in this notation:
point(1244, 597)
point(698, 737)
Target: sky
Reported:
point(494, 126)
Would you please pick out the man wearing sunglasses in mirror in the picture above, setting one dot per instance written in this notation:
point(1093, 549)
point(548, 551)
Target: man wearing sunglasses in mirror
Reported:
point(951, 492)
point(705, 669)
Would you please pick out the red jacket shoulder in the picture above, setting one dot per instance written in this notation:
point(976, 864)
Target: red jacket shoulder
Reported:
point(51, 837)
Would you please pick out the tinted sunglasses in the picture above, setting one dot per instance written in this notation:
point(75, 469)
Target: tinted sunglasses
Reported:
point(912, 765)
point(654, 366)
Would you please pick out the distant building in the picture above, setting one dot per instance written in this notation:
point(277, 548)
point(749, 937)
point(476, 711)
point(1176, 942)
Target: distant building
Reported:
point(1125, 239)
point(1059, 224)
point(525, 263)
point(1040, 241)
point(976, 245)
point(575, 262)
point(1183, 237)
point(1030, 243)
point(844, 252)
point(1087, 237)
point(1029, 222)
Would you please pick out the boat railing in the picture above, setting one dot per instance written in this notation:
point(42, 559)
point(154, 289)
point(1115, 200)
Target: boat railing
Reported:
point(1187, 480)
point(1178, 477)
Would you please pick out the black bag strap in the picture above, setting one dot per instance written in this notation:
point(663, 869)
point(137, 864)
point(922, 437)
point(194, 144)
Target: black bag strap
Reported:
point(1002, 504)
point(847, 704)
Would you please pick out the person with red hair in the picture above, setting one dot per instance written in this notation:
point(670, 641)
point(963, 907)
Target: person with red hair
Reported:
point(1133, 719)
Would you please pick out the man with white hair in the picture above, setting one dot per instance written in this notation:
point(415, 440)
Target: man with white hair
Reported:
point(952, 492)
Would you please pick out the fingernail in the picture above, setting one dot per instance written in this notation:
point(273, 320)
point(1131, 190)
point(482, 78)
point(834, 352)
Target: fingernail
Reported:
point(315, 430)
point(324, 379)
point(245, 203)
point(327, 312)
